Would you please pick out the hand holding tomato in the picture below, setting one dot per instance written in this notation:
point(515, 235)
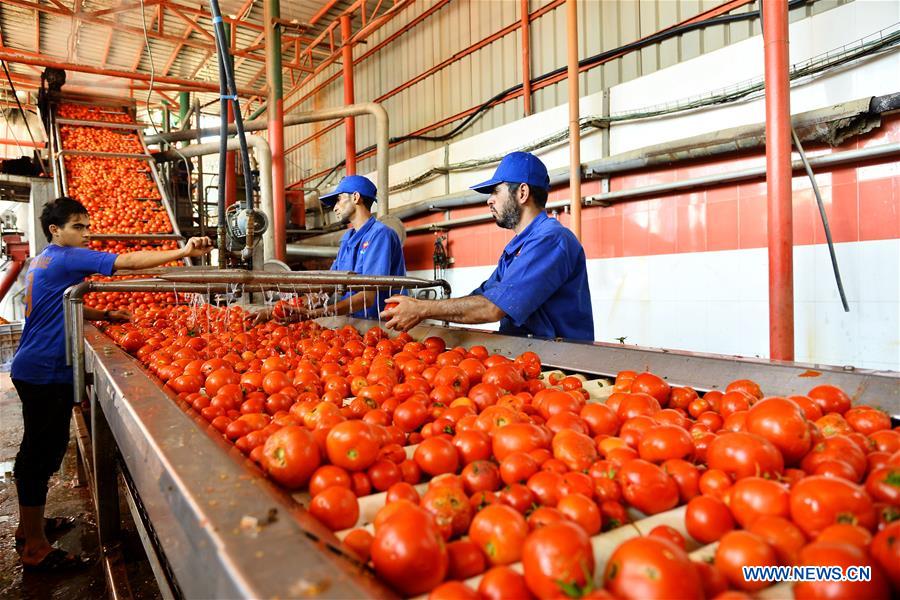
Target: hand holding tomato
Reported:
point(119, 316)
point(402, 313)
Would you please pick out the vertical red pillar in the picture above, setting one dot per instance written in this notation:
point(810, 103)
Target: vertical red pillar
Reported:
point(778, 180)
point(349, 122)
point(272, 11)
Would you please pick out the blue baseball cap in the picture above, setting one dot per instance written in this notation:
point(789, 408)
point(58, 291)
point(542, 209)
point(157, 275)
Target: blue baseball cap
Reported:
point(517, 167)
point(348, 185)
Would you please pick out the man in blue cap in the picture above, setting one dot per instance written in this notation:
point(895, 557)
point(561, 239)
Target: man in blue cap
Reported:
point(368, 248)
point(540, 285)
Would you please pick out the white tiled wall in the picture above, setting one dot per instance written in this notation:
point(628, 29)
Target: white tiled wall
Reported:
point(718, 302)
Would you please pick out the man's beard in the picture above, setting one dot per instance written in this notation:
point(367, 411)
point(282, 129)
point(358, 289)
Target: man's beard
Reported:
point(509, 216)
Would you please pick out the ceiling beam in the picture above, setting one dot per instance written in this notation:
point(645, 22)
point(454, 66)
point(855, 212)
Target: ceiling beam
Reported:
point(322, 11)
point(124, 7)
point(106, 48)
point(17, 56)
point(193, 24)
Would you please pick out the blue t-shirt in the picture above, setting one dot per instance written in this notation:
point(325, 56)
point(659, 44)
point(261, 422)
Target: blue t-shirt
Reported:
point(41, 356)
point(541, 284)
point(373, 250)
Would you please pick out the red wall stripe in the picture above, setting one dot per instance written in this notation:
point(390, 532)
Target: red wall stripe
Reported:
point(860, 207)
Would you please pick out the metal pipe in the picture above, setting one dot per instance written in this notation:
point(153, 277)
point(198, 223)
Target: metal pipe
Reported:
point(304, 250)
point(574, 118)
point(304, 278)
point(778, 180)
point(382, 126)
point(263, 156)
point(272, 12)
point(827, 160)
point(832, 125)
point(526, 57)
point(349, 122)
point(222, 202)
point(201, 194)
point(9, 278)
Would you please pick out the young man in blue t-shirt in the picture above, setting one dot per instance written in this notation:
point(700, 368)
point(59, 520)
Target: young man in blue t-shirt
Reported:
point(540, 285)
point(39, 371)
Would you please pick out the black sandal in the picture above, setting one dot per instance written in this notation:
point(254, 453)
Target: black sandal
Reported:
point(57, 560)
point(53, 526)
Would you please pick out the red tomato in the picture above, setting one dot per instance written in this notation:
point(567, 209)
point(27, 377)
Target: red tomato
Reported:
point(738, 549)
point(782, 422)
point(742, 454)
point(707, 519)
point(673, 573)
point(466, 559)
point(336, 507)
point(754, 497)
point(450, 508)
point(556, 557)
point(817, 502)
point(499, 531)
point(830, 399)
point(437, 455)
point(352, 445)
point(822, 554)
point(784, 536)
point(647, 487)
point(291, 456)
point(408, 553)
point(885, 550)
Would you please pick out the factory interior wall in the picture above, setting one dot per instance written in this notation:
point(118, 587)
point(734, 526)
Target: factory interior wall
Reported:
point(689, 270)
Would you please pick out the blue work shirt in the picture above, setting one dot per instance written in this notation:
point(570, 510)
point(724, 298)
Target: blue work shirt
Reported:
point(541, 284)
point(373, 250)
point(41, 356)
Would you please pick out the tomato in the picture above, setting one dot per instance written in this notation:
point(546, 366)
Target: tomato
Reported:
point(665, 442)
point(742, 454)
point(479, 476)
point(738, 549)
point(647, 487)
point(581, 510)
point(502, 583)
point(753, 497)
point(669, 533)
point(747, 386)
point(557, 557)
point(518, 467)
point(686, 476)
point(450, 508)
point(352, 445)
point(437, 455)
point(383, 474)
point(867, 420)
point(600, 418)
point(784, 536)
point(652, 567)
point(832, 554)
point(883, 485)
point(408, 553)
point(652, 385)
point(291, 456)
point(466, 559)
point(499, 531)
point(216, 379)
point(707, 519)
point(506, 377)
point(817, 502)
point(517, 496)
point(335, 507)
point(633, 405)
point(782, 422)
point(885, 550)
point(327, 476)
point(845, 533)
point(453, 590)
point(830, 399)
point(574, 449)
point(514, 437)
point(360, 542)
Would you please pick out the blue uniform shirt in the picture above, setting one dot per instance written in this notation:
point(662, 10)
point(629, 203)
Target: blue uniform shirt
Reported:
point(373, 250)
point(541, 284)
point(41, 356)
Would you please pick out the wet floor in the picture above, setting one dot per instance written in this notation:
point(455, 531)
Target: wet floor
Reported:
point(64, 499)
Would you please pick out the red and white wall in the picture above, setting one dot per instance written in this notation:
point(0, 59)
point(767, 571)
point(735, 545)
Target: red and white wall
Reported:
point(689, 270)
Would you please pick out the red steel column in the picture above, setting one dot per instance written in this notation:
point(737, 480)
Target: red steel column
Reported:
point(349, 122)
point(272, 11)
point(574, 118)
point(778, 181)
point(526, 58)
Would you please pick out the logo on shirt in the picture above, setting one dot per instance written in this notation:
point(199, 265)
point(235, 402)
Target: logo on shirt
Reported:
point(365, 244)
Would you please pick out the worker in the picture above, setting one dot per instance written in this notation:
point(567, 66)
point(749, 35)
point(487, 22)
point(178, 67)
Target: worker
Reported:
point(369, 247)
point(540, 285)
point(39, 371)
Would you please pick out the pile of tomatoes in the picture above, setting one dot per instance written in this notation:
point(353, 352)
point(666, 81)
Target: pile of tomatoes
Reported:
point(523, 471)
point(80, 112)
point(100, 139)
point(119, 194)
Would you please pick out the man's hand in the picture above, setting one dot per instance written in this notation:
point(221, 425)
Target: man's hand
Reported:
point(197, 246)
point(403, 313)
point(119, 316)
point(283, 313)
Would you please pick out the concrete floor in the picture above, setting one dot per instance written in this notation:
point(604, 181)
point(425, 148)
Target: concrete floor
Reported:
point(64, 499)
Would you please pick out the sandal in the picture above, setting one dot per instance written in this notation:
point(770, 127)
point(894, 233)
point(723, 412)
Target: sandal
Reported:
point(57, 560)
point(53, 526)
